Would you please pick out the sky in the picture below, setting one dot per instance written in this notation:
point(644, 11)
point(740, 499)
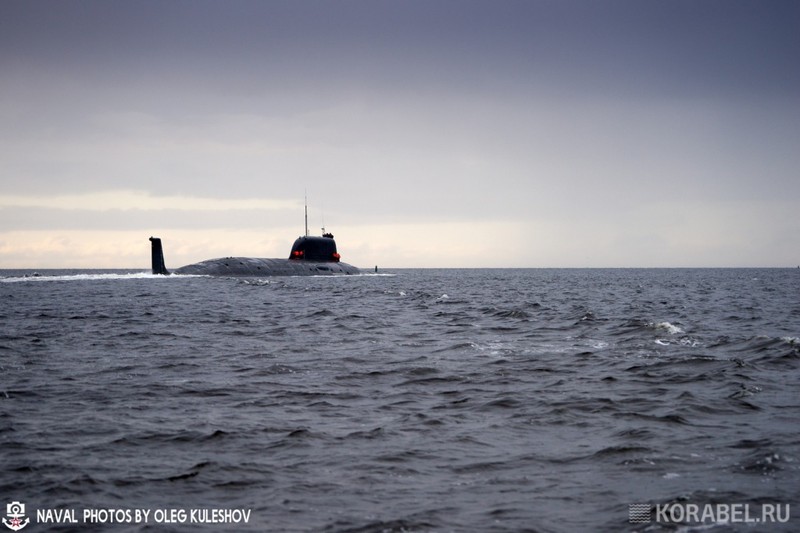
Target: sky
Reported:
point(424, 133)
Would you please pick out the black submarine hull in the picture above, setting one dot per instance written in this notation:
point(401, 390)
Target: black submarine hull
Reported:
point(310, 255)
point(255, 267)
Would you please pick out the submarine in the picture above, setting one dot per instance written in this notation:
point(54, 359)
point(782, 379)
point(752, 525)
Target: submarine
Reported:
point(310, 256)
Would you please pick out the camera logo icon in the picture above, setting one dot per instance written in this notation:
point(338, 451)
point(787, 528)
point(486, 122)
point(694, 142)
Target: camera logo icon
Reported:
point(15, 512)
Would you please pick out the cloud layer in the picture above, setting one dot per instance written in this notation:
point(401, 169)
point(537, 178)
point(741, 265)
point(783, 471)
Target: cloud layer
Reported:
point(597, 133)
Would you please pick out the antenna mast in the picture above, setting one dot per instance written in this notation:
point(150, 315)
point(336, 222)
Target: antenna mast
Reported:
point(306, 209)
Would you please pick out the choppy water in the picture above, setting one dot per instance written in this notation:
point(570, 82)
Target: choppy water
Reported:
point(425, 400)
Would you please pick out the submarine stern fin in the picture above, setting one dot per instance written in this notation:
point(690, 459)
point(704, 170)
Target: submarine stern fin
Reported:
point(157, 255)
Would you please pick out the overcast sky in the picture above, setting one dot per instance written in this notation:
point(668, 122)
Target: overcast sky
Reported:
point(537, 133)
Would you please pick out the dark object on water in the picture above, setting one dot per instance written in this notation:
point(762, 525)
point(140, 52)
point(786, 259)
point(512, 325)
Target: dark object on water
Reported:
point(157, 254)
point(310, 256)
point(315, 249)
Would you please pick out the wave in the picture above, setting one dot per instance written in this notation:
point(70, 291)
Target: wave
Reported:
point(672, 329)
point(381, 397)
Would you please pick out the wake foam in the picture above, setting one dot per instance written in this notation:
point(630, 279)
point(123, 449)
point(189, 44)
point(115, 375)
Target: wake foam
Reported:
point(43, 278)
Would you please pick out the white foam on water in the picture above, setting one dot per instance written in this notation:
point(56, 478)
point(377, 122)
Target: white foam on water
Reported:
point(36, 278)
point(670, 328)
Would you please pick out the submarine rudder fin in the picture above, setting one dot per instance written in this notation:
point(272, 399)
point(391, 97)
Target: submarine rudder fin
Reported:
point(157, 256)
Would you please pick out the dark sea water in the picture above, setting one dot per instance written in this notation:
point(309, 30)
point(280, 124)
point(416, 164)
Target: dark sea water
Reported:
point(420, 400)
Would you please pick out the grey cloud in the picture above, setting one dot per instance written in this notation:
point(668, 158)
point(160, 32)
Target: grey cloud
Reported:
point(39, 218)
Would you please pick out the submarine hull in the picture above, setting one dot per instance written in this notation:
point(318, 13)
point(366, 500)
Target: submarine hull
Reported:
point(259, 267)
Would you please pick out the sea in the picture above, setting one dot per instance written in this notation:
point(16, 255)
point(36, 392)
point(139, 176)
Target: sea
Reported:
point(540, 400)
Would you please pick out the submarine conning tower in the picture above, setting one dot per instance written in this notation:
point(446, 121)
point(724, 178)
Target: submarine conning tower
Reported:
point(317, 249)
